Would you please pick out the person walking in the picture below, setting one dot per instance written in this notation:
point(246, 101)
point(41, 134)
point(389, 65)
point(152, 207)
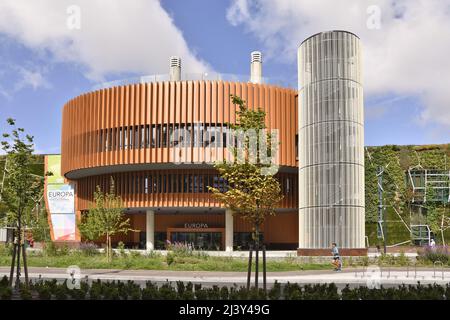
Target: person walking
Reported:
point(336, 258)
point(432, 244)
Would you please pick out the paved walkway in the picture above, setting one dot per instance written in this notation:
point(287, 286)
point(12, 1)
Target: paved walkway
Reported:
point(274, 253)
point(352, 276)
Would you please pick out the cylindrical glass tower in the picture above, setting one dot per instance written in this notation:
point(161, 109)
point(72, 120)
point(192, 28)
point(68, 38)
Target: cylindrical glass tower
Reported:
point(331, 143)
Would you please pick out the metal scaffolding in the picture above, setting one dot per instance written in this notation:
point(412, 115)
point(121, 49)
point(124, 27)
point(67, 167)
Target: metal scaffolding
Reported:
point(420, 179)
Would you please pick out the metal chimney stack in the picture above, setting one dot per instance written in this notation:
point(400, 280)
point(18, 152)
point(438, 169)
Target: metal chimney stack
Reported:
point(175, 68)
point(256, 67)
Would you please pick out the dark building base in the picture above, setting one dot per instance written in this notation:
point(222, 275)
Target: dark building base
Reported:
point(327, 252)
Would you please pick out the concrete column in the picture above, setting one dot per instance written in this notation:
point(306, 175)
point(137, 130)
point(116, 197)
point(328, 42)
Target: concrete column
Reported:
point(150, 230)
point(228, 230)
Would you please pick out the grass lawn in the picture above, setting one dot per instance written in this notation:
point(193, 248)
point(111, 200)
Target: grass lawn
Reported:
point(158, 262)
point(181, 260)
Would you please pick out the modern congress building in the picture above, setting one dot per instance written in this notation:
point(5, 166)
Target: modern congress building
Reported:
point(126, 132)
point(130, 132)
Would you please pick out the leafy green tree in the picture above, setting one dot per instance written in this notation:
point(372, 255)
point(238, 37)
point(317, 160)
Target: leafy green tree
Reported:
point(252, 191)
point(105, 218)
point(21, 190)
point(40, 227)
point(443, 214)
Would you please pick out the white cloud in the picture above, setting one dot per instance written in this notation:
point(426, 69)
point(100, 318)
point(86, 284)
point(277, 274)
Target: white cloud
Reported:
point(31, 78)
point(115, 36)
point(4, 93)
point(375, 112)
point(408, 55)
point(16, 77)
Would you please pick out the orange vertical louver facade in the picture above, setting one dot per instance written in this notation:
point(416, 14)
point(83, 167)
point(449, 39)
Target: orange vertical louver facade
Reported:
point(127, 133)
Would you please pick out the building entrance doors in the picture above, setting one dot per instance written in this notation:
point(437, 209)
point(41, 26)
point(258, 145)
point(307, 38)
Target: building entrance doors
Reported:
point(200, 239)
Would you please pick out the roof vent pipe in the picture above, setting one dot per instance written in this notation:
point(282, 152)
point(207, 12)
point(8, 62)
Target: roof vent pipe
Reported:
point(256, 67)
point(175, 68)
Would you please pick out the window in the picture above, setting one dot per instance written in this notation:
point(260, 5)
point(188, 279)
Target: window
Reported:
point(154, 136)
point(185, 183)
point(126, 138)
point(106, 140)
point(136, 137)
point(180, 183)
point(141, 136)
point(170, 183)
point(100, 141)
point(120, 138)
point(146, 185)
point(190, 183)
point(164, 136)
point(174, 135)
point(147, 136)
point(288, 186)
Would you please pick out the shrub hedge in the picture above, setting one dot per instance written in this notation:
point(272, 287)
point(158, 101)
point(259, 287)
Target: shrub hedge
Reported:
point(98, 290)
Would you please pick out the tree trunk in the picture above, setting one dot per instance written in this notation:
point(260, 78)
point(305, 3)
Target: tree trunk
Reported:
point(25, 267)
point(257, 235)
point(256, 255)
point(249, 274)
point(13, 262)
point(256, 266)
point(264, 269)
point(19, 243)
point(107, 247)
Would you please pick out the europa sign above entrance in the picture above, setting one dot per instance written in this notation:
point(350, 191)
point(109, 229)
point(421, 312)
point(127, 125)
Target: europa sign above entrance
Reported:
point(195, 225)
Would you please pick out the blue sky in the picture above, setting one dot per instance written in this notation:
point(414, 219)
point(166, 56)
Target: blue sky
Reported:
point(42, 64)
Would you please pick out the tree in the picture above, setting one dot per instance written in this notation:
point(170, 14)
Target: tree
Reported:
point(21, 191)
point(105, 218)
point(40, 227)
point(252, 191)
point(444, 224)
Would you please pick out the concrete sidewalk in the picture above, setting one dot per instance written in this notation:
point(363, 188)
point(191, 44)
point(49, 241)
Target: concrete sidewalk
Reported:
point(352, 276)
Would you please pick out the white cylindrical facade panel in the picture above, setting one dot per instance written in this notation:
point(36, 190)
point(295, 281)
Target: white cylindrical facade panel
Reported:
point(331, 142)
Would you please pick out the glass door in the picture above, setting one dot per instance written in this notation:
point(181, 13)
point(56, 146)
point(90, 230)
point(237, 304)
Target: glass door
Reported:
point(199, 240)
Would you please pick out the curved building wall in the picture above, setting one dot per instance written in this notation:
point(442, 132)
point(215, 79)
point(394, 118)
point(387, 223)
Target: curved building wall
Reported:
point(130, 125)
point(124, 132)
point(176, 188)
point(331, 142)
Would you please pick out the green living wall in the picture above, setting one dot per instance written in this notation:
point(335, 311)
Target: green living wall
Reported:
point(396, 160)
